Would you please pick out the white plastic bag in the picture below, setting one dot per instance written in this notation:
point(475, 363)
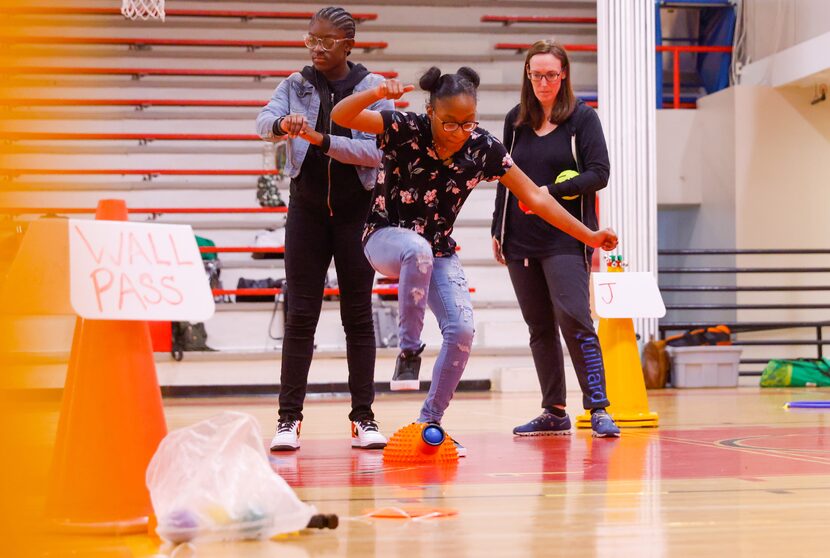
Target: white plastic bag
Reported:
point(213, 481)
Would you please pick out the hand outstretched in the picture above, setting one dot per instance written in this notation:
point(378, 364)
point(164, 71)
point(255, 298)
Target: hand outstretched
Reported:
point(392, 89)
point(605, 239)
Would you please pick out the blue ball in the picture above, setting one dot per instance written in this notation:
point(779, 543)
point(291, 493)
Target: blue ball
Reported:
point(179, 526)
point(253, 523)
point(433, 435)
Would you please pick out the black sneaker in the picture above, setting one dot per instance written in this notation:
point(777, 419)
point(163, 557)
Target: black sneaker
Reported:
point(407, 366)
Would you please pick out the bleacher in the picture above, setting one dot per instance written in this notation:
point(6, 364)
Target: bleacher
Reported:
point(162, 115)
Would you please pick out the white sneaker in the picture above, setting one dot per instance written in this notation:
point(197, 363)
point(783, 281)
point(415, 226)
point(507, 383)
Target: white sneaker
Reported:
point(461, 450)
point(287, 437)
point(366, 435)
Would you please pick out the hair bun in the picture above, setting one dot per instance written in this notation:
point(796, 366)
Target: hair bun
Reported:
point(429, 81)
point(470, 75)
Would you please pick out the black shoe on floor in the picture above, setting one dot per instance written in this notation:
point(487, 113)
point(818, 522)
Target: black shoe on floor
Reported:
point(407, 366)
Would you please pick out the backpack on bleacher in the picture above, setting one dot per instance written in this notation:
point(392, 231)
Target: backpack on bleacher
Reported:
point(267, 192)
point(188, 336)
point(213, 268)
point(269, 238)
point(715, 335)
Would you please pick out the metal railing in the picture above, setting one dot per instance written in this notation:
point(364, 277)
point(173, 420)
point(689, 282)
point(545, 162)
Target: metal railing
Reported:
point(676, 50)
point(737, 326)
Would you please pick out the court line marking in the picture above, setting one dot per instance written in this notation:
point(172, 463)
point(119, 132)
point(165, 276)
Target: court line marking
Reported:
point(719, 444)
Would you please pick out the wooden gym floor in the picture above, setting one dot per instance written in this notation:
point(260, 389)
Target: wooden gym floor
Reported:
point(728, 472)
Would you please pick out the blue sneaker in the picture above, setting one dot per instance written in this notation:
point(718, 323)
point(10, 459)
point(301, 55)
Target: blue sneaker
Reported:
point(546, 424)
point(603, 425)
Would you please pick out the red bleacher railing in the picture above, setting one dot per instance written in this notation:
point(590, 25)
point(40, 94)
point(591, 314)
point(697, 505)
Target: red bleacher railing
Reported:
point(143, 210)
point(507, 20)
point(243, 249)
point(326, 292)
point(521, 47)
point(144, 103)
point(260, 292)
point(138, 172)
point(676, 50)
point(235, 14)
point(141, 72)
point(142, 137)
point(144, 42)
point(276, 292)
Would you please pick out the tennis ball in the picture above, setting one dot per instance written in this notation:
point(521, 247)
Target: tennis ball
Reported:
point(563, 176)
point(218, 514)
point(566, 175)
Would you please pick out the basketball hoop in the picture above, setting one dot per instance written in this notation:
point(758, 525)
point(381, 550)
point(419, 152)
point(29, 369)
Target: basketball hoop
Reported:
point(143, 9)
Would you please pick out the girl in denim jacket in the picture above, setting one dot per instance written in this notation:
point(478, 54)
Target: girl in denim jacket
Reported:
point(332, 171)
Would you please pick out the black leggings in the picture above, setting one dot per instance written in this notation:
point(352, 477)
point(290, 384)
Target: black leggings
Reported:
point(553, 294)
point(311, 240)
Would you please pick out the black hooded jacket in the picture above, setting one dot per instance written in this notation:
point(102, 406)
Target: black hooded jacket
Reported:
point(325, 184)
point(529, 236)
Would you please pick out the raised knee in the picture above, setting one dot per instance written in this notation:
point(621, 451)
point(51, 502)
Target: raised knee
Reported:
point(461, 334)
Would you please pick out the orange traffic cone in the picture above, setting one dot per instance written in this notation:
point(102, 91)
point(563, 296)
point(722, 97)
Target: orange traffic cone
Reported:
point(625, 385)
point(111, 423)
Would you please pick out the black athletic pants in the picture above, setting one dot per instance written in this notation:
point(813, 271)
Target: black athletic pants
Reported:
point(553, 294)
point(311, 240)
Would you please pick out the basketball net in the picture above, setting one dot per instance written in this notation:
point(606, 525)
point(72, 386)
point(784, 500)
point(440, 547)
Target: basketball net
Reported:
point(143, 9)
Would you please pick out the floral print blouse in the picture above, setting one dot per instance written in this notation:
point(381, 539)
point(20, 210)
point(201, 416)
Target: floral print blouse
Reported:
point(416, 190)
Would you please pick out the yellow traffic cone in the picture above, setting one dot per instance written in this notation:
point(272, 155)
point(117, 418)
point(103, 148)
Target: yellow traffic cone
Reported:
point(625, 385)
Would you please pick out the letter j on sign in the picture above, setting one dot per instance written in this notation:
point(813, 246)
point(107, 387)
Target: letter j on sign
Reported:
point(627, 295)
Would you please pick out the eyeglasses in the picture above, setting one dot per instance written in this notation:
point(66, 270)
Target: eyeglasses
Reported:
point(453, 126)
point(327, 43)
point(551, 77)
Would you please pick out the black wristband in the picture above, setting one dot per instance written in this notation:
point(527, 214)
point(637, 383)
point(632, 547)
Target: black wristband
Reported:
point(326, 143)
point(277, 127)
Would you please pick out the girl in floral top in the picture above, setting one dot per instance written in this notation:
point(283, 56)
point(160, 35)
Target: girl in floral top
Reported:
point(431, 163)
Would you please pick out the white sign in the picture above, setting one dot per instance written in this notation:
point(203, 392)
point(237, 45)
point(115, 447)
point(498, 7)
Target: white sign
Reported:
point(136, 271)
point(627, 295)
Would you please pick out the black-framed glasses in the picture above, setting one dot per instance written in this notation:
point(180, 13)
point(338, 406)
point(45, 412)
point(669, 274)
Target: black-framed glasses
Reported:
point(453, 126)
point(327, 43)
point(550, 77)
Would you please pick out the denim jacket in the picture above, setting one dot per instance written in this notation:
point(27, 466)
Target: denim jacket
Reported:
point(296, 95)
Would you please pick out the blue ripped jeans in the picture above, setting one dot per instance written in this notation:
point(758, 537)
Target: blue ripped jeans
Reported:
point(441, 284)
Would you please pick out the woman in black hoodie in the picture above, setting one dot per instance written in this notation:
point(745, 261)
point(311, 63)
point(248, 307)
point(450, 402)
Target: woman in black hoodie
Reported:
point(548, 133)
